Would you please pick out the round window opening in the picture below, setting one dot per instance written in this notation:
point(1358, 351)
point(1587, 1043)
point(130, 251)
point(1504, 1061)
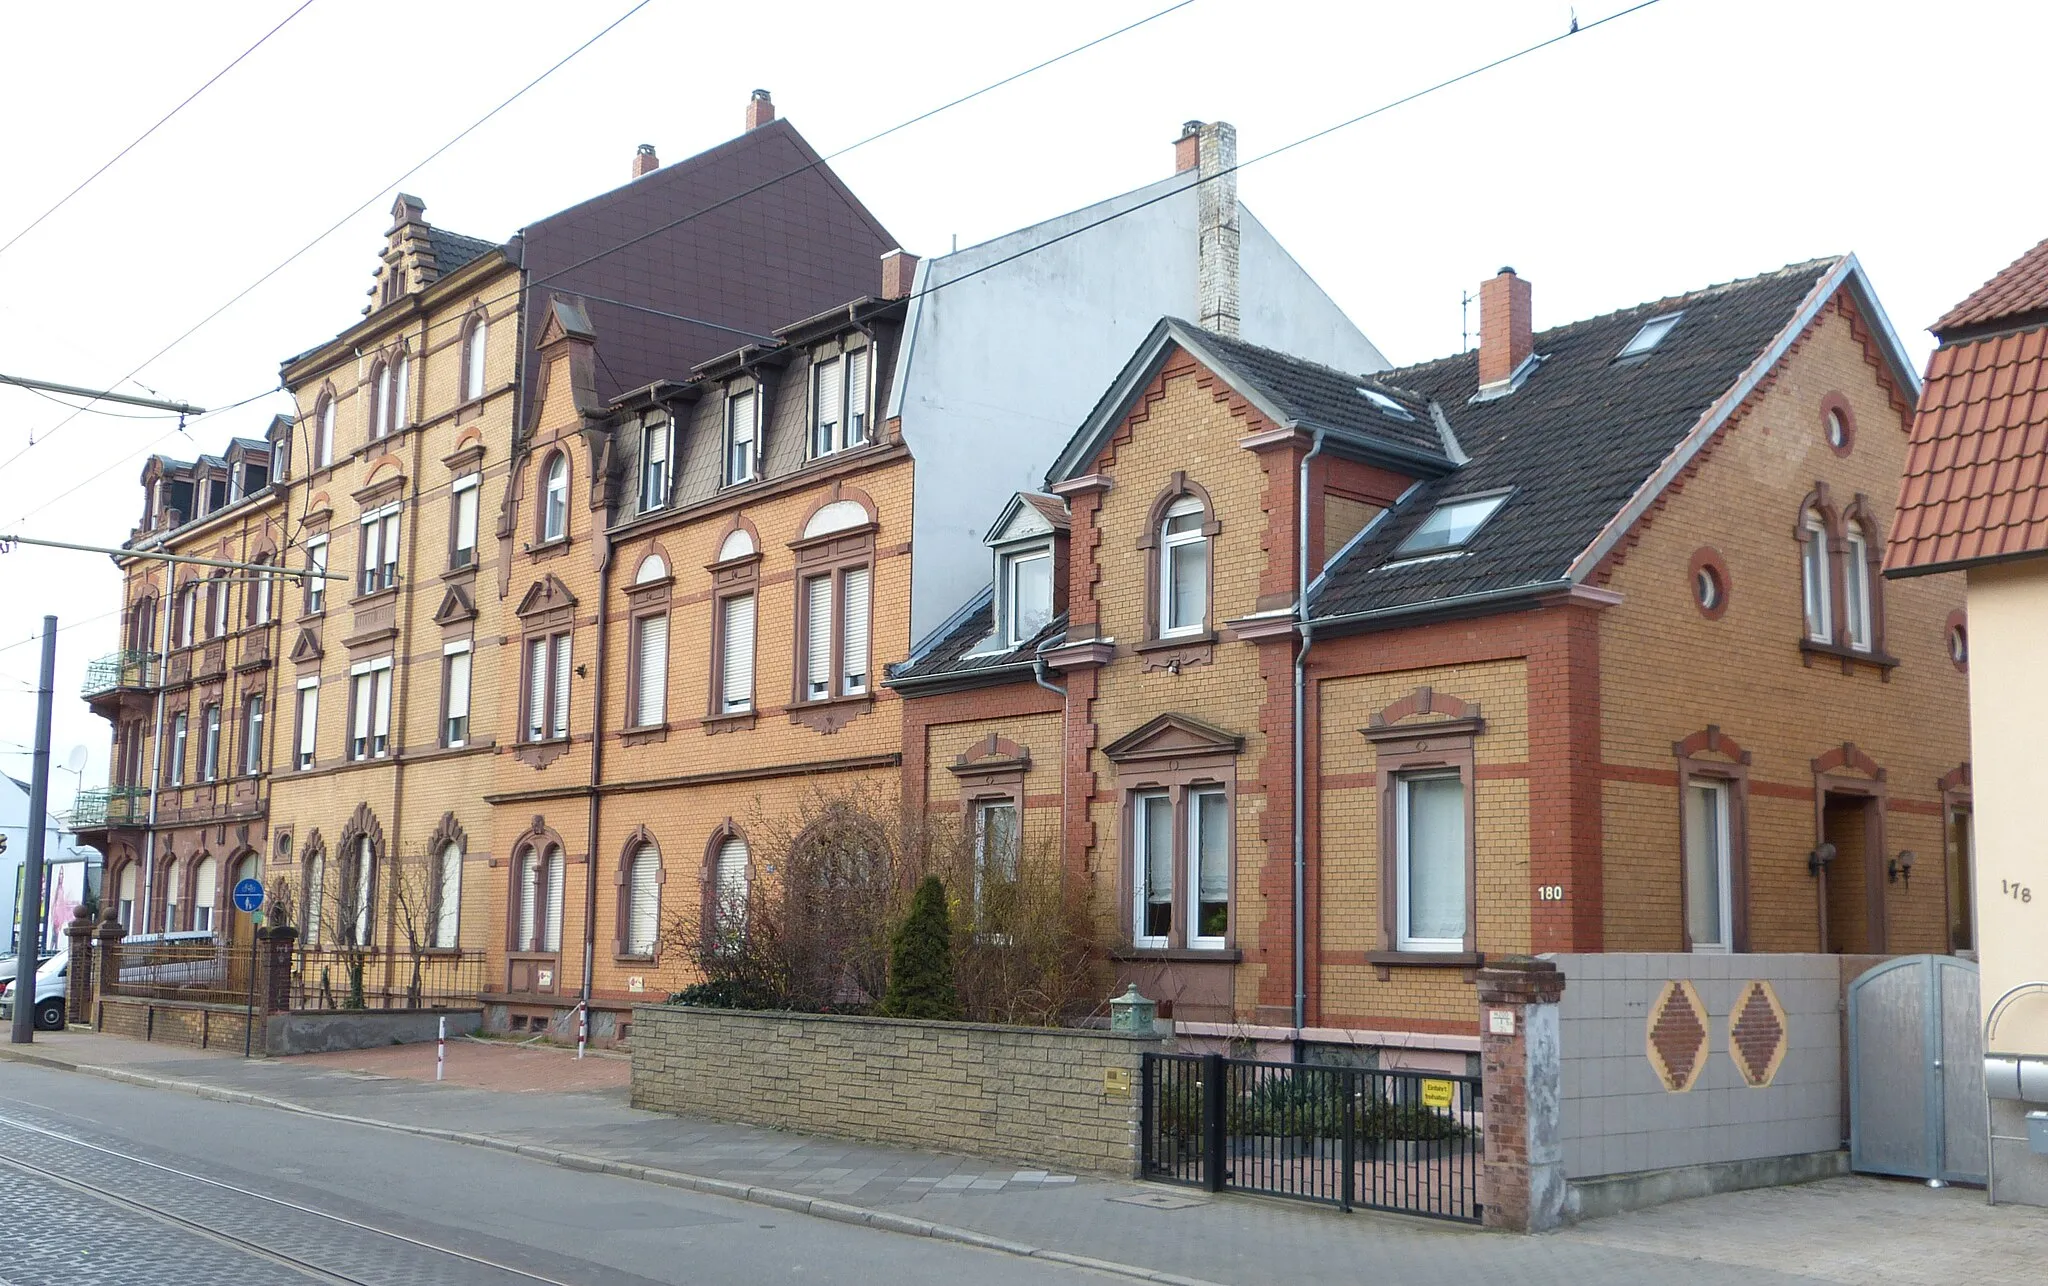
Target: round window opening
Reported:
point(1838, 430)
point(1706, 589)
point(1958, 645)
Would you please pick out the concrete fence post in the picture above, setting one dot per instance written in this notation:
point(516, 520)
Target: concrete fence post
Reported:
point(1522, 1181)
point(78, 990)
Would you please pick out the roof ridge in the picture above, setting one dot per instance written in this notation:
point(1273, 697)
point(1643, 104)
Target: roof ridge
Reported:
point(1281, 353)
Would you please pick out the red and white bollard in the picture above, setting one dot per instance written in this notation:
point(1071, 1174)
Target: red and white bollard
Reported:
point(441, 1050)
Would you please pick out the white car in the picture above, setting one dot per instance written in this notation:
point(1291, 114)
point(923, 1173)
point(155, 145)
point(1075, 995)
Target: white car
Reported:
point(51, 981)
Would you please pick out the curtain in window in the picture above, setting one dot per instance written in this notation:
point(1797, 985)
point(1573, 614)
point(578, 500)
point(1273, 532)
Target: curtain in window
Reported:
point(643, 901)
point(737, 681)
point(448, 910)
point(1814, 568)
point(1155, 848)
point(1435, 853)
point(1856, 589)
point(650, 701)
point(552, 941)
point(1706, 858)
point(1212, 863)
point(170, 878)
point(854, 650)
point(818, 637)
point(458, 698)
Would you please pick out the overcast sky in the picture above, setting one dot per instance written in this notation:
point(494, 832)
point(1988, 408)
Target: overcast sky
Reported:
point(1694, 142)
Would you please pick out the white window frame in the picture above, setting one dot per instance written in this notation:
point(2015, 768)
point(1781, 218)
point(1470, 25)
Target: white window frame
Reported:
point(554, 500)
point(187, 611)
point(646, 702)
point(316, 581)
point(180, 733)
point(1168, 543)
point(306, 749)
point(1856, 588)
point(466, 492)
point(642, 933)
point(369, 710)
point(736, 668)
point(252, 734)
point(1141, 867)
point(1721, 793)
point(742, 460)
point(380, 401)
point(379, 550)
point(323, 435)
point(219, 593)
point(1450, 527)
point(1404, 940)
point(448, 902)
point(547, 665)
point(1012, 562)
point(473, 357)
point(1013, 860)
point(401, 392)
point(1192, 798)
point(1813, 571)
point(654, 467)
point(453, 738)
point(209, 742)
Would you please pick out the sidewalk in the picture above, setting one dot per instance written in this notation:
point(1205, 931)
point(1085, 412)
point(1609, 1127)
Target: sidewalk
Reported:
point(544, 1103)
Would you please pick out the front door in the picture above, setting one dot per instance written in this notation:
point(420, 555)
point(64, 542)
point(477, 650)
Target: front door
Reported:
point(241, 935)
point(1854, 890)
point(1916, 1071)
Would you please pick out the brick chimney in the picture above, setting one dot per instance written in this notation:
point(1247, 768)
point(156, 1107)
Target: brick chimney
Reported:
point(1505, 337)
point(899, 270)
point(645, 161)
point(1216, 277)
point(1186, 148)
point(760, 109)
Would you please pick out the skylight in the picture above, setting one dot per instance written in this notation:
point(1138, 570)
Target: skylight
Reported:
point(1385, 403)
point(1652, 334)
point(1451, 526)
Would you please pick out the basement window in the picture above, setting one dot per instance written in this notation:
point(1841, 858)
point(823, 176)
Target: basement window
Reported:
point(1386, 404)
point(1651, 335)
point(1450, 526)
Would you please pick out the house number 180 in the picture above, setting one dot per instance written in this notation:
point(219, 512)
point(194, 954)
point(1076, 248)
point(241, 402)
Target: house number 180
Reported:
point(1550, 893)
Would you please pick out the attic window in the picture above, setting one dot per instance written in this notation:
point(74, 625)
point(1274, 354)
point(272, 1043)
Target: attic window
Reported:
point(1385, 403)
point(1451, 526)
point(1652, 334)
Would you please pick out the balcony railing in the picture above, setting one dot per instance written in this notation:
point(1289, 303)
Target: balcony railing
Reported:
point(109, 806)
point(125, 669)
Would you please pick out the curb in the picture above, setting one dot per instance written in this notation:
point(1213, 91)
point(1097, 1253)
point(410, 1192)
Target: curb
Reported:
point(776, 1198)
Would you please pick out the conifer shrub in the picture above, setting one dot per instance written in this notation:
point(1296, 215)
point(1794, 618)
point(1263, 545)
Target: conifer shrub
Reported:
point(921, 959)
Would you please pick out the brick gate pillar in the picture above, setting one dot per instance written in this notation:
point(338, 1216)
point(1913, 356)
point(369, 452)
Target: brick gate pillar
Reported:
point(109, 935)
point(275, 954)
point(78, 991)
point(1522, 1178)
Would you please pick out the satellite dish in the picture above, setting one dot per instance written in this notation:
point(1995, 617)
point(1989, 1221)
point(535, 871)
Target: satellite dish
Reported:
point(75, 761)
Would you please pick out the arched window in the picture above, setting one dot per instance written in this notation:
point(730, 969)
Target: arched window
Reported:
point(204, 878)
point(1813, 565)
point(380, 401)
point(323, 435)
point(259, 592)
point(554, 505)
point(124, 905)
point(313, 911)
point(739, 543)
point(529, 901)
point(217, 599)
point(551, 926)
point(173, 895)
point(540, 899)
point(359, 878)
point(401, 392)
point(651, 570)
point(643, 899)
point(726, 897)
point(142, 626)
point(1856, 606)
point(188, 613)
point(1183, 569)
point(473, 361)
point(448, 895)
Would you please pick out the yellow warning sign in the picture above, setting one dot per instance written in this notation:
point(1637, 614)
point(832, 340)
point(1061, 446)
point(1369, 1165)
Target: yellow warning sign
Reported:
point(1436, 1093)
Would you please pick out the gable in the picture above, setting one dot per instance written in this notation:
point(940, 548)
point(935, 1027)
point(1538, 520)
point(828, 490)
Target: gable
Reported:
point(307, 647)
point(455, 607)
point(1172, 736)
point(546, 595)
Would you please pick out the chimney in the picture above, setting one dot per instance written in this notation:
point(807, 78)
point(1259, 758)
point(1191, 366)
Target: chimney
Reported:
point(899, 269)
point(1216, 227)
point(1505, 337)
point(760, 109)
point(645, 161)
point(1186, 153)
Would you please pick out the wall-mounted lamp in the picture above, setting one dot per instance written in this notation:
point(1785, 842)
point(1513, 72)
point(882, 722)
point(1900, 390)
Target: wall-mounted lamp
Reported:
point(1901, 868)
point(1817, 861)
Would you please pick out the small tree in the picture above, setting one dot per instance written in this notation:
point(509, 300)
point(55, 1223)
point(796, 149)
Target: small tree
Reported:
point(921, 959)
point(417, 904)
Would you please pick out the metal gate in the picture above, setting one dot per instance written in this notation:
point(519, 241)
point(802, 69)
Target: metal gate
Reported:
point(1916, 1071)
point(1390, 1140)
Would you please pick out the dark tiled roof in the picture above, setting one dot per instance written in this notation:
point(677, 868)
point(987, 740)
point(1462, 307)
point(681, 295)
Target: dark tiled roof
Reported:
point(1974, 486)
point(1573, 443)
point(1311, 393)
point(2022, 287)
point(453, 250)
point(797, 247)
point(953, 655)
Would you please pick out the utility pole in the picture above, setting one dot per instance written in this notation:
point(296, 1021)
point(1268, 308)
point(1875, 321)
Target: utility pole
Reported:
point(32, 865)
point(102, 395)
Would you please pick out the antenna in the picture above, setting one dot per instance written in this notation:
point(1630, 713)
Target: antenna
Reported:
point(1464, 321)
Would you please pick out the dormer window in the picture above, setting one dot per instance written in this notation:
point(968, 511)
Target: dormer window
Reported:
point(216, 494)
point(1451, 526)
point(1026, 594)
point(1652, 334)
point(654, 466)
point(742, 424)
point(839, 402)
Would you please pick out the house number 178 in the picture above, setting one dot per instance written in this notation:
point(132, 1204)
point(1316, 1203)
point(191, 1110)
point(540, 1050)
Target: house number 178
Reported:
point(2012, 890)
point(1550, 893)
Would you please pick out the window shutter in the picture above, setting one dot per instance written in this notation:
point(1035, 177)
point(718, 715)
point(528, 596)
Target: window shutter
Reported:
point(380, 683)
point(529, 897)
point(825, 414)
point(730, 885)
point(309, 715)
point(643, 899)
point(465, 520)
point(458, 686)
point(561, 724)
point(359, 732)
point(316, 892)
point(854, 652)
point(857, 396)
point(653, 673)
point(536, 689)
point(738, 678)
point(448, 915)
point(817, 637)
point(553, 941)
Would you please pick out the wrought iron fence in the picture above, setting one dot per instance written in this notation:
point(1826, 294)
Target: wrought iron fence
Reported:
point(125, 669)
point(108, 806)
point(1405, 1141)
point(197, 969)
point(337, 978)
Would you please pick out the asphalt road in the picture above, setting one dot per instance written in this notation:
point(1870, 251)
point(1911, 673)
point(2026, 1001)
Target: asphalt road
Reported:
point(110, 1183)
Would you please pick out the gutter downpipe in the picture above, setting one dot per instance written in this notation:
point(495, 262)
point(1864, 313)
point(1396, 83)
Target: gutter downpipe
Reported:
point(169, 602)
point(1300, 740)
point(599, 673)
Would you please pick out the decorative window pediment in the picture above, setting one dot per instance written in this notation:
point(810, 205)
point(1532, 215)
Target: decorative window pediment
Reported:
point(1405, 718)
point(307, 648)
point(548, 594)
point(1172, 736)
point(992, 754)
point(455, 607)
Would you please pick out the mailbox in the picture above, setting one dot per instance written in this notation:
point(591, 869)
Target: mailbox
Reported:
point(2016, 1076)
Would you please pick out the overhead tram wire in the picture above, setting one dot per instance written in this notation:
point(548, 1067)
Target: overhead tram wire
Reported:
point(87, 182)
point(759, 187)
point(342, 222)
